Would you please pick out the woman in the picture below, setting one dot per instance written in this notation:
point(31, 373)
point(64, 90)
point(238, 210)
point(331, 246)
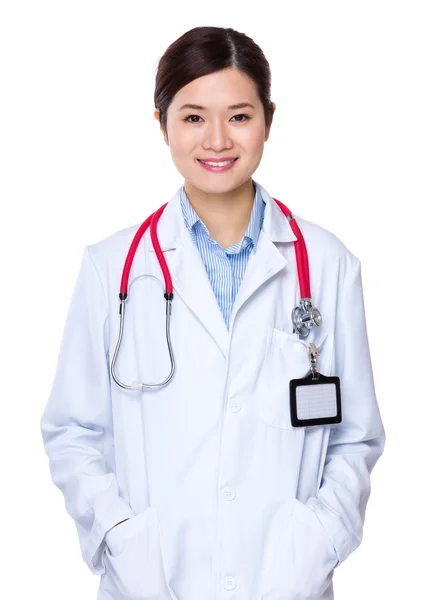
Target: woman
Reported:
point(203, 488)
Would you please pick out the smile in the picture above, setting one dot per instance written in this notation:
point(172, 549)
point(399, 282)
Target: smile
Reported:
point(217, 166)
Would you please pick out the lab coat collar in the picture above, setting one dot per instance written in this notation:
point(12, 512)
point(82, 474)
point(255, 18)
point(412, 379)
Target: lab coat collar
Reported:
point(171, 228)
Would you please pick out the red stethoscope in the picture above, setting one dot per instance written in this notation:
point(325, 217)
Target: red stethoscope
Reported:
point(304, 317)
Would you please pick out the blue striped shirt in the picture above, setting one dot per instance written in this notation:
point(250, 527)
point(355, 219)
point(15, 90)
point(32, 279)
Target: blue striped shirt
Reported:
point(225, 266)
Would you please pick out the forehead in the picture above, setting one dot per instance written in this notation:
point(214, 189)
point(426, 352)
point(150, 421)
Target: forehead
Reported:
point(218, 89)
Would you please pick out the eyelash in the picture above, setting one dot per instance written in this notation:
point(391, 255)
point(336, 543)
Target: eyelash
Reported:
point(247, 117)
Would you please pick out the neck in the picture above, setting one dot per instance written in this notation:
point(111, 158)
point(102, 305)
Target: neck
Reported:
point(227, 215)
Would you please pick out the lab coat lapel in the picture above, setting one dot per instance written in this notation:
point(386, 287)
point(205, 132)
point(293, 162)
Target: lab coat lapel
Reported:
point(189, 277)
point(192, 284)
point(267, 260)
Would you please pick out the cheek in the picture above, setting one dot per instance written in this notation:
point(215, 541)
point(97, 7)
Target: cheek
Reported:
point(253, 138)
point(181, 144)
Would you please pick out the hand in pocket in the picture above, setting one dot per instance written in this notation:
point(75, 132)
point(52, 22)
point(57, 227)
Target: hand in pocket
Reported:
point(134, 561)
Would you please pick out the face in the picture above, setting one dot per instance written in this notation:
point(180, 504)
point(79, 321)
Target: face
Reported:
point(216, 129)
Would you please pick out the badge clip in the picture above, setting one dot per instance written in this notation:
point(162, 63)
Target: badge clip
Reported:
point(312, 354)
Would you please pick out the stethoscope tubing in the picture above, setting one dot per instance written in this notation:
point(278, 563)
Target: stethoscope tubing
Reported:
point(151, 222)
point(153, 219)
point(300, 252)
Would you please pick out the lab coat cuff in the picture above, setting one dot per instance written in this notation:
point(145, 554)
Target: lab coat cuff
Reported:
point(333, 524)
point(106, 516)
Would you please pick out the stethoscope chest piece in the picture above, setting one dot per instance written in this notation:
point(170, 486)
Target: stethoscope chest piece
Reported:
point(305, 317)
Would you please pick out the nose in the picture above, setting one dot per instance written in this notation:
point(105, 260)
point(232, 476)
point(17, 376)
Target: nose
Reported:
point(217, 136)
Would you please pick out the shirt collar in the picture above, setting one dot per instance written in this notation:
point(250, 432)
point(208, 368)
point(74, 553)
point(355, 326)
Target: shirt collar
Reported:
point(254, 226)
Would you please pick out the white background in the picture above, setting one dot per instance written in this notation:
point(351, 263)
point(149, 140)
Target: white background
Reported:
point(82, 157)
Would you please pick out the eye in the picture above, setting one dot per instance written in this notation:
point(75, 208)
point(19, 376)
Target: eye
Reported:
point(190, 116)
point(234, 117)
point(242, 120)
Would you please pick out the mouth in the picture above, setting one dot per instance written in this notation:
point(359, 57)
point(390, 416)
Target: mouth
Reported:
point(218, 165)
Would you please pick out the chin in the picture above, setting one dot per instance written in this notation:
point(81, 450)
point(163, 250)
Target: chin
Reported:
point(217, 184)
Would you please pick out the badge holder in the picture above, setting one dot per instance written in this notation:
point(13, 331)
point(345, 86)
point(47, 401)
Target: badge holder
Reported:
point(315, 399)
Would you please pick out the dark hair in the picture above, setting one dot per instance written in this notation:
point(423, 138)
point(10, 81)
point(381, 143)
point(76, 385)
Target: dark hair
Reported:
point(204, 50)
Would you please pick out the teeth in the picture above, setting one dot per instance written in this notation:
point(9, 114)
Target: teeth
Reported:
point(217, 164)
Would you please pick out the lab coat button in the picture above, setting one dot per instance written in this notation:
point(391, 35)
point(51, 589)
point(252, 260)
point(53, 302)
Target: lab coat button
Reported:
point(229, 583)
point(235, 406)
point(229, 493)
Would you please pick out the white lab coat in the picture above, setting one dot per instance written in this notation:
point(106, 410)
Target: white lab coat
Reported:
point(225, 499)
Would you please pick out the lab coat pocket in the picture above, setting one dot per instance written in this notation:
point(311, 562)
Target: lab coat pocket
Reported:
point(134, 561)
point(312, 554)
point(304, 557)
point(286, 358)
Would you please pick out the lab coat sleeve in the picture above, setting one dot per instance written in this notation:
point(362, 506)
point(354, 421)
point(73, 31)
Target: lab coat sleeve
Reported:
point(77, 422)
point(357, 442)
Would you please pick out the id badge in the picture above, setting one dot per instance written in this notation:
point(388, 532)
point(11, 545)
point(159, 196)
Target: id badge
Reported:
point(315, 399)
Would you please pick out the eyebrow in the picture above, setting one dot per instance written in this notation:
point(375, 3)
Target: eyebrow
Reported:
point(232, 107)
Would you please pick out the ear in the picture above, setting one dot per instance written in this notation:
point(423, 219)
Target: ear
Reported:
point(157, 117)
point(268, 129)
